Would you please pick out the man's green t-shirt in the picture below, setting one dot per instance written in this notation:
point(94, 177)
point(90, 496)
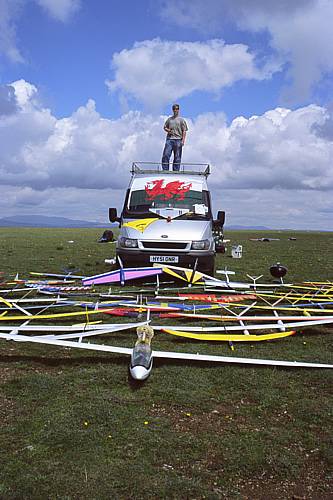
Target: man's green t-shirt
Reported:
point(177, 125)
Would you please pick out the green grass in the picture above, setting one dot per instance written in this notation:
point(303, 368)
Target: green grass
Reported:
point(74, 426)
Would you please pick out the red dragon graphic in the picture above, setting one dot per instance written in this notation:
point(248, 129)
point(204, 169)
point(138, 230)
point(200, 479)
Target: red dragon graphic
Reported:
point(174, 189)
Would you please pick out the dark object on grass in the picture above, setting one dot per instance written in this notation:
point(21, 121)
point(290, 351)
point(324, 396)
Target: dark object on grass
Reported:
point(278, 270)
point(265, 239)
point(106, 236)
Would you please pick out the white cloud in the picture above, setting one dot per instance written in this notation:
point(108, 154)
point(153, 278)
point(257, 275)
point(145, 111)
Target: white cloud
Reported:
point(61, 10)
point(325, 130)
point(305, 39)
point(274, 167)
point(211, 16)
point(157, 72)
point(300, 32)
point(281, 149)
point(276, 208)
point(74, 203)
point(24, 93)
point(11, 10)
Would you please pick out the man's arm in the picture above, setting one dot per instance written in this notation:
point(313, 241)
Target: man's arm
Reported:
point(166, 127)
point(184, 130)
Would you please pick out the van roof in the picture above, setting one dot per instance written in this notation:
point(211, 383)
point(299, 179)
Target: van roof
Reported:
point(142, 176)
point(139, 167)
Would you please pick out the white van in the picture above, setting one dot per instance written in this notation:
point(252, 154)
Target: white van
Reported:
point(167, 218)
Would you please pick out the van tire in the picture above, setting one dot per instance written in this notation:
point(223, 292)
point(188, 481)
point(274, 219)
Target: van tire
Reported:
point(208, 267)
point(211, 271)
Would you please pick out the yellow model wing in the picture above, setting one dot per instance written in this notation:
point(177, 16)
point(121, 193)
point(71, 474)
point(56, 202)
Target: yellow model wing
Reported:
point(141, 224)
point(230, 337)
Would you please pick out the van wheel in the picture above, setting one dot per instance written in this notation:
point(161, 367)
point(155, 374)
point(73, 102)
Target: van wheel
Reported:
point(211, 271)
point(208, 268)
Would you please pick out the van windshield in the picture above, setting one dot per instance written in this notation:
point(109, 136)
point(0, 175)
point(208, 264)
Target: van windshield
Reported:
point(140, 201)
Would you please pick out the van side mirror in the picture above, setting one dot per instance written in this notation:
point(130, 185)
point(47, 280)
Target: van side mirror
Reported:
point(221, 217)
point(113, 215)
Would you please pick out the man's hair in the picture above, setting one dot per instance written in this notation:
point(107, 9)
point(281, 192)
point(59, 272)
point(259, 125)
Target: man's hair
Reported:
point(175, 106)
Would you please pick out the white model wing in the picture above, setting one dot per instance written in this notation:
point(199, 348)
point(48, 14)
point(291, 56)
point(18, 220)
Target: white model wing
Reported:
point(163, 354)
point(79, 328)
point(66, 343)
point(230, 359)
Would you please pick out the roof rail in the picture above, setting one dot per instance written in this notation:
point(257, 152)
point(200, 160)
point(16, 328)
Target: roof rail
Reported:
point(150, 167)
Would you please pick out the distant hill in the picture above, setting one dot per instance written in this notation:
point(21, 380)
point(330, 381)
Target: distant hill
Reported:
point(45, 221)
point(252, 228)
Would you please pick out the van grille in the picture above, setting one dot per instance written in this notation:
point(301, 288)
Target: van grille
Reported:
point(163, 245)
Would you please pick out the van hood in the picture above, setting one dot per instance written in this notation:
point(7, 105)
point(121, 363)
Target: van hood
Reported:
point(174, 230)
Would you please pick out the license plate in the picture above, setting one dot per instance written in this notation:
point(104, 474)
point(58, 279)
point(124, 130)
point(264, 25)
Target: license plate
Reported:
point(164, 258)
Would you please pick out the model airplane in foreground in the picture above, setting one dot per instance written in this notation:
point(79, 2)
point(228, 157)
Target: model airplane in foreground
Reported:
point(142, 354)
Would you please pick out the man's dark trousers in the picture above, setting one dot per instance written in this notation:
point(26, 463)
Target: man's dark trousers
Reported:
point(175, 146)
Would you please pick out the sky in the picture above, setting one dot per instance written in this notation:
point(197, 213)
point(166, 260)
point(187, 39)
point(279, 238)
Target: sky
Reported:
point(86, 86)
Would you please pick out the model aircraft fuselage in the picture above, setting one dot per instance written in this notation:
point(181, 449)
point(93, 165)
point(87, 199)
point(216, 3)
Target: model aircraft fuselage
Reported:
point(141, 361)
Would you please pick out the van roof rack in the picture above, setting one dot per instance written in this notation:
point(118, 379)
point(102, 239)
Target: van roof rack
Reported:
point(150, 167)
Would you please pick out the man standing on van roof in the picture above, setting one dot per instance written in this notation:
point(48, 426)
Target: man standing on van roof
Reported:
point(176, 129)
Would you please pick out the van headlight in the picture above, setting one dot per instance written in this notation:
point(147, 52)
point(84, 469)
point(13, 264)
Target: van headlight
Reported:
point(200, 245)
point(128, 242)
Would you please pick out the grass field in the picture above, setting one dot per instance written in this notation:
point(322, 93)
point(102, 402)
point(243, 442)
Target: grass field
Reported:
point(74, 426)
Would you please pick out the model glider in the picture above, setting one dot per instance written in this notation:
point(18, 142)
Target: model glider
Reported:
point(142, 357)
point(121, 275)
point(79, 330)
point(190, 276)
point(280, 325)
point(63, 276)
point(10, 317)
point(302, 308)
point(141, 224)
point(228, 337)
point(244, 317)
point(55, 288)
point(208, 297)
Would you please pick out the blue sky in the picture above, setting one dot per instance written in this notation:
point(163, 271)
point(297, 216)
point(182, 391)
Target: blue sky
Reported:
point(70, 61)
point(85, 87)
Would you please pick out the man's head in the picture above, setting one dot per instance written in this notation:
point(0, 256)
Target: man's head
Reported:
point(175, 109)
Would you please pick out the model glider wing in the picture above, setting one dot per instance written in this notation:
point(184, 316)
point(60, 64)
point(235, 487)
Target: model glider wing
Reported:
point(123, 274)
point(229, 359)
point(141, 224)
point(66, 343)
point(229, 337)
point(186, 274)
point(164, 354)
point(225, 328)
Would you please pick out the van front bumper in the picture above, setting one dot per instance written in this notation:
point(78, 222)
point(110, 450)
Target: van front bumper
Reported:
point(135, 258)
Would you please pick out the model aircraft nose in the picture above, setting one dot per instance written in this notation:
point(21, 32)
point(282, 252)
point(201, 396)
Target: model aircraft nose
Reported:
point(139, 372)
